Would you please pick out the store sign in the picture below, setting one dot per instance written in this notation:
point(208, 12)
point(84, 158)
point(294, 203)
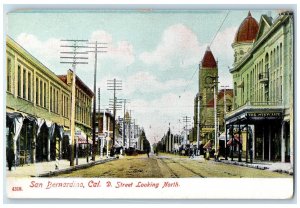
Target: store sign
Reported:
point(208, 126)
point(269, 114)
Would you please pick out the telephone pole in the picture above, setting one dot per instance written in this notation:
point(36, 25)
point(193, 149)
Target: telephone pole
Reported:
point(114, 85)
point(114, 105)
point(73, 57)
point(95, 51)
point(186, 120)
point(124, 120)
point(198, 121)
point(215, 85)
point(225, 128)
point(99, 112)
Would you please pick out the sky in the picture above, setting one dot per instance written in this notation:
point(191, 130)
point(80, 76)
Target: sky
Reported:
point(155, 53)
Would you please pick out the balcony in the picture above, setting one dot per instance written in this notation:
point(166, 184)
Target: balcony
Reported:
point(263, 77)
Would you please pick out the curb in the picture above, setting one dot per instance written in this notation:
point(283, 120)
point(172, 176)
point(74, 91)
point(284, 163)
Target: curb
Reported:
point(260, 167)
point(71, 169)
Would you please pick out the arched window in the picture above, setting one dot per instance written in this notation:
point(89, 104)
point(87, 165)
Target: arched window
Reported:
point(271, 59)
point(235, 89)
point(280, 55)
point(274, 57)
point(266, 72)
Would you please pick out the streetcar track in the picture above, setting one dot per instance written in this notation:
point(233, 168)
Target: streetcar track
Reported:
point(169, 169)
point(173, 161)
point(189, 169)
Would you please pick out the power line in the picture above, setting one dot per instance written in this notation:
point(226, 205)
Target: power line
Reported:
point(209, 45)
point(219, 28)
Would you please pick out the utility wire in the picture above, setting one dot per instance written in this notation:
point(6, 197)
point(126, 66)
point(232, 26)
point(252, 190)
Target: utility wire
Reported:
point(219, 28)
point(209, 45)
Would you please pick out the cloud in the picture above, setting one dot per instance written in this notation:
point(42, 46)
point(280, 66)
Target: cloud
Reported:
point(145, 82)
point(178, 46)
point(46, 51)
point(121, 51)
point(222, 43)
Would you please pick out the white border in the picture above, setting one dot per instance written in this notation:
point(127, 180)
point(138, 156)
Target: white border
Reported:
point(251, 184)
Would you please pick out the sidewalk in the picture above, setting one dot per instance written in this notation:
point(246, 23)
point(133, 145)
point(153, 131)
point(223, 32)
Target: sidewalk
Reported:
point(263, 165)
point(43, 169)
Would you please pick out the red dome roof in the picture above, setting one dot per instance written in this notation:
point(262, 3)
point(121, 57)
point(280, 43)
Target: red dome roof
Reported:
point(208, 60)
point(247, 30)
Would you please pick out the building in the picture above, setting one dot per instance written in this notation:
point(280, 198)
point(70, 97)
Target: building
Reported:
point(263, 89)
point(104, 131)
point(83, 107)
point(37, 108)
point(208, 85)
point(83, 102)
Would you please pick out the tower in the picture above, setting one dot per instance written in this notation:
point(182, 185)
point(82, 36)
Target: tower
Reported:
point(244, 37)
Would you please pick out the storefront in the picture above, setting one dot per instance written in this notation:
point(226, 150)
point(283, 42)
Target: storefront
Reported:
point(259, 134)
point(30, 139)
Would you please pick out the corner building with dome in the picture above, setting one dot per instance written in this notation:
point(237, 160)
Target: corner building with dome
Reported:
point(261, 121)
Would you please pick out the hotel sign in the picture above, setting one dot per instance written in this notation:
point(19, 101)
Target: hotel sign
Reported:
point(267, 114)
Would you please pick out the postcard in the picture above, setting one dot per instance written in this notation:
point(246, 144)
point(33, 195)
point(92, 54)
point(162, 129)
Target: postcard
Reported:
point(150, 104)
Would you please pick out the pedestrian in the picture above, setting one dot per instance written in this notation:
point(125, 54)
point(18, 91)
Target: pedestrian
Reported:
point(148, 150)
point(10, 156)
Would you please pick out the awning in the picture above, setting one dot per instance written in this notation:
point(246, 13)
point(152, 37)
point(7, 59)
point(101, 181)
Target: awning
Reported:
point(82, 140)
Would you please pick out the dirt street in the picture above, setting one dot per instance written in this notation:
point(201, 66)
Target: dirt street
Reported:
point(169, 166)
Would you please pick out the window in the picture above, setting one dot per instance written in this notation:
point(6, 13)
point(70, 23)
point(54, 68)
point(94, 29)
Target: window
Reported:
point(45, 95)
point(267, 63)
point(8, 75)
point(24, 84)
point(272, 59)
point(41, 93)
point(280, 55)
point(235, 90)
point(51, 99)
point(37, 91)
point(19, 81)
point(67, 107)
point(56, 101)
point(248, 85)
point(29, 86)
point(62, 104)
